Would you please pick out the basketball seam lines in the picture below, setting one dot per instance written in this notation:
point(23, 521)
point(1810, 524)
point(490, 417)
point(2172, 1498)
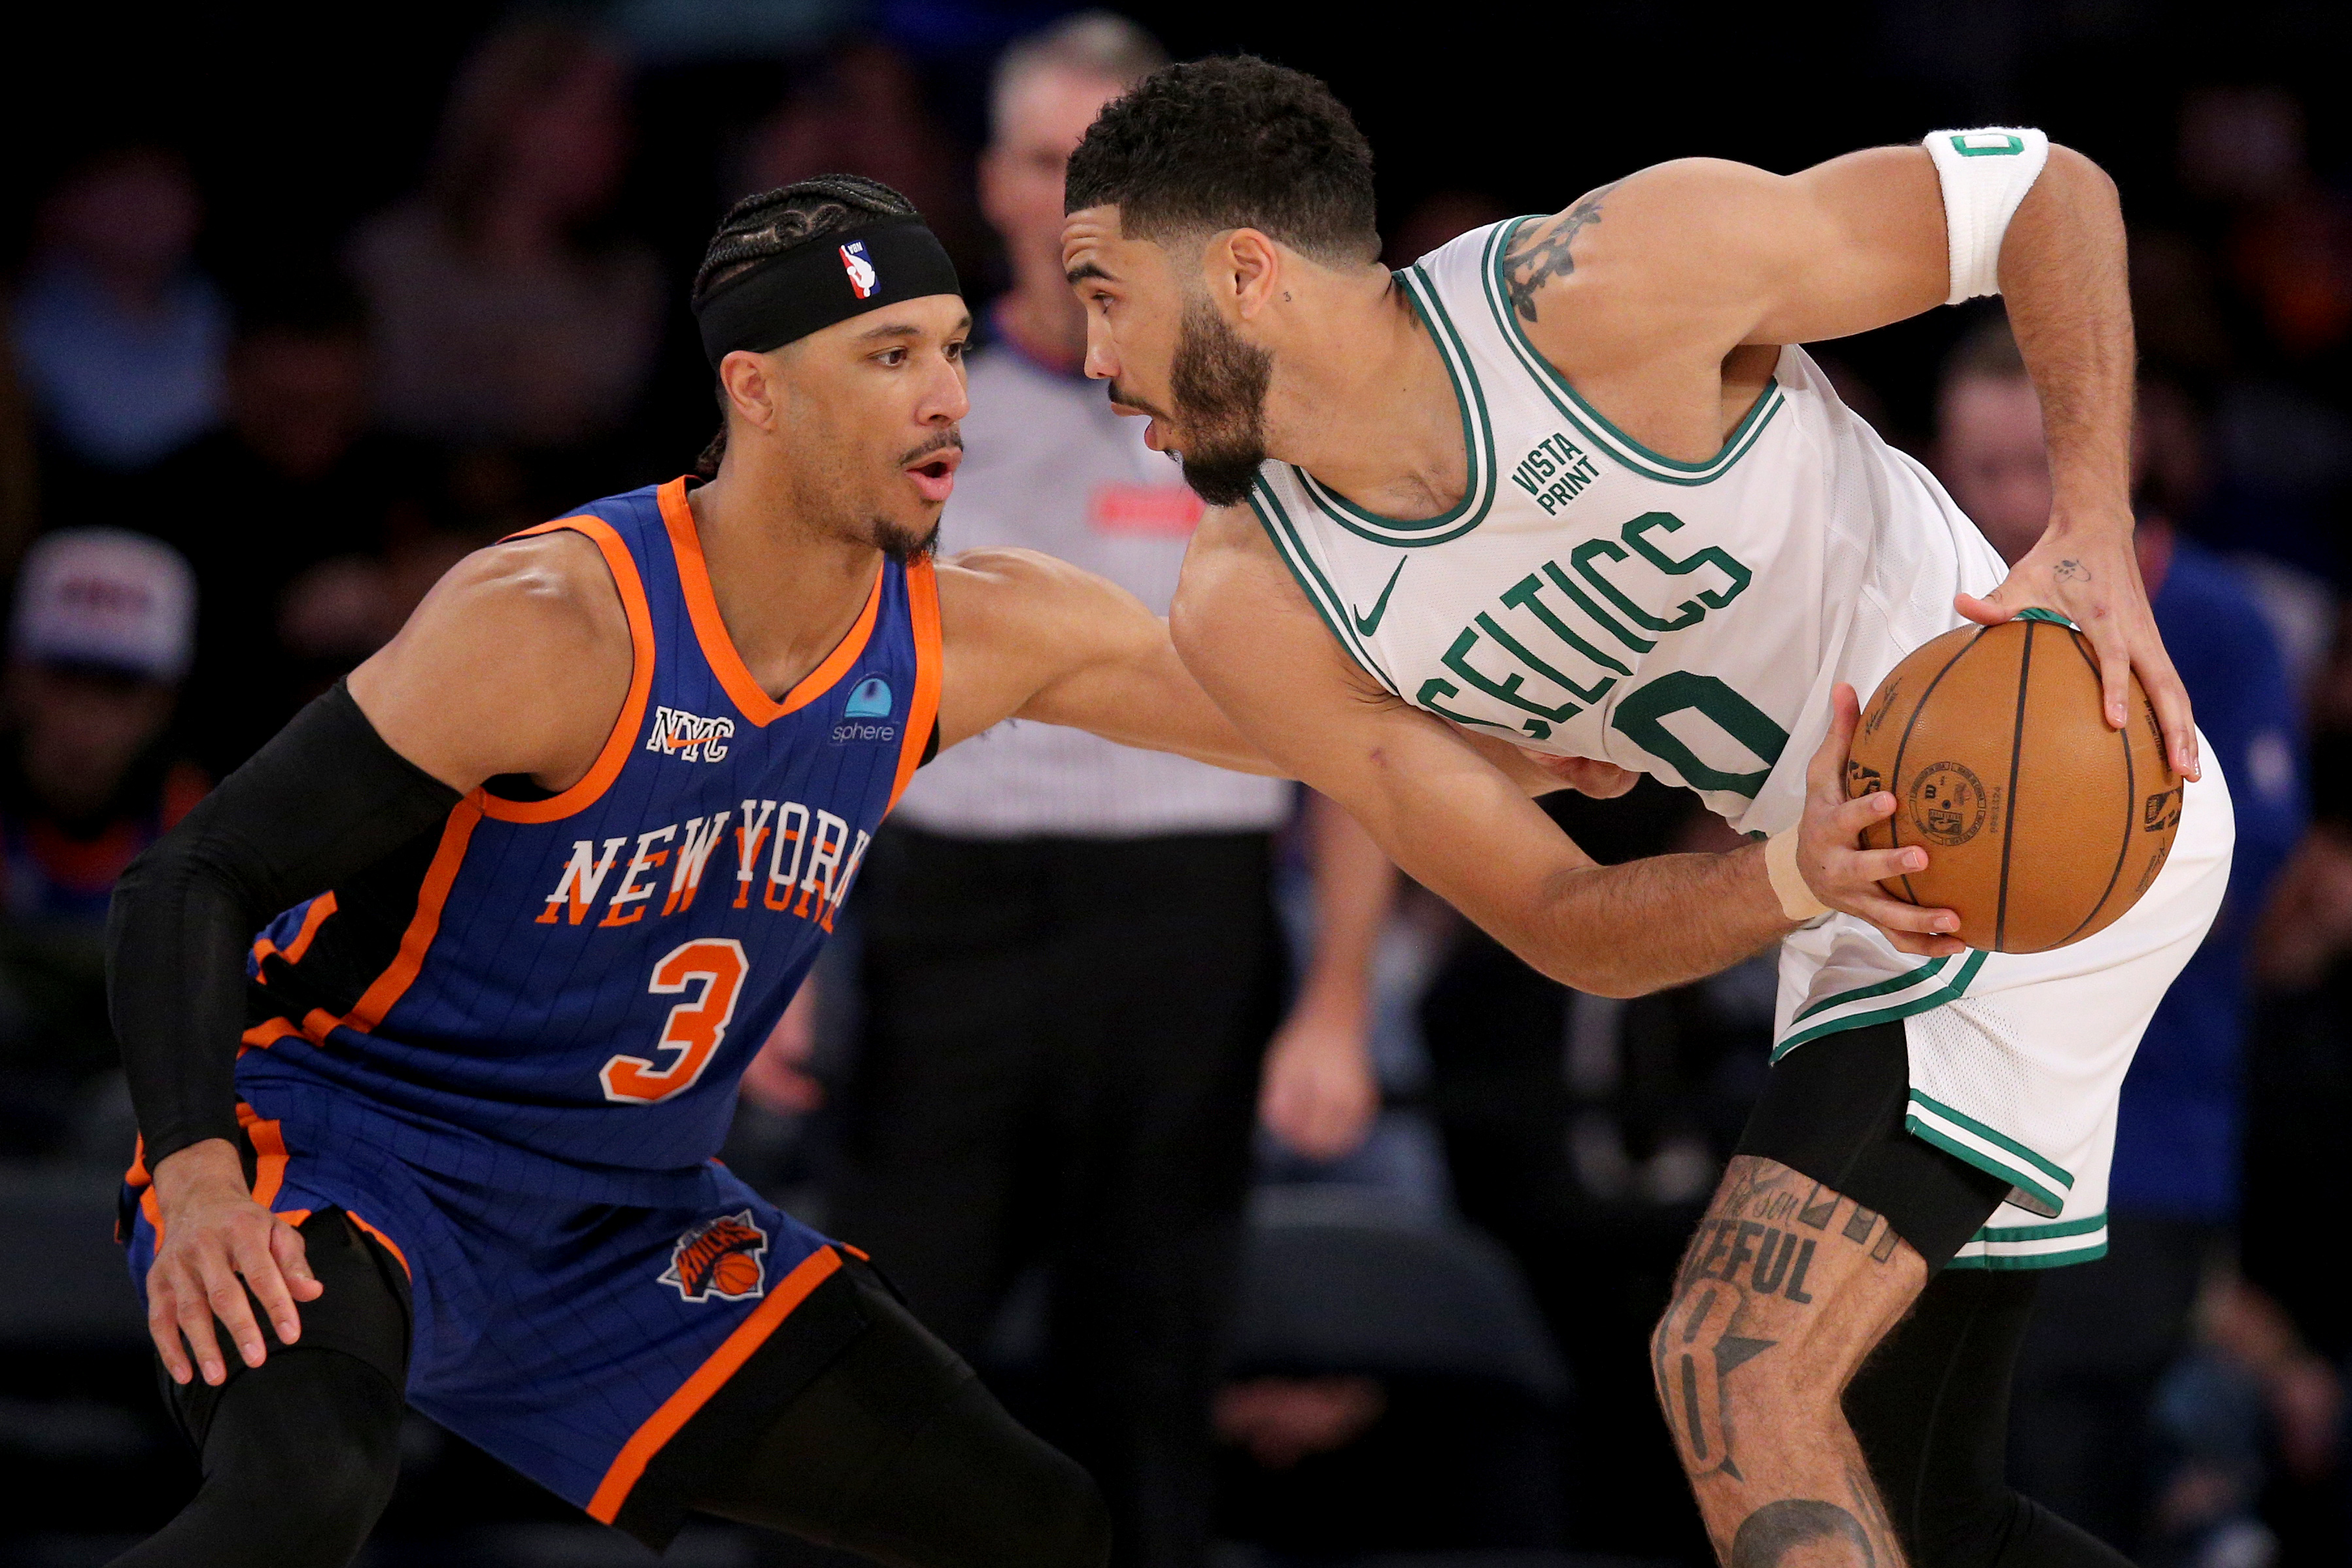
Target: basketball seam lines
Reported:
point(1895, 820)
point(2131, 800)
point(2009, 815)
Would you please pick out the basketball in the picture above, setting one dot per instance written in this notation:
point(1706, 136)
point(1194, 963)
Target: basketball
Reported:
point(2041, 825)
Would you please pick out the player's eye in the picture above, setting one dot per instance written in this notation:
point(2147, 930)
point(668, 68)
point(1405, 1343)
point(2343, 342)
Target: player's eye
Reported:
point(893, 358)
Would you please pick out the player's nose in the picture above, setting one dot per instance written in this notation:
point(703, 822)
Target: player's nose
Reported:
point(1102, 354)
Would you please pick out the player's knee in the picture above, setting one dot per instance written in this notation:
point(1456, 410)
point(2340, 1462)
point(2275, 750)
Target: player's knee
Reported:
point(309, 1457)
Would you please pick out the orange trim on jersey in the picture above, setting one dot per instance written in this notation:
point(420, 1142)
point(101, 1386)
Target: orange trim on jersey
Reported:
point(609, 762)
point(923, 711)
point(263, 1036)
point(629, 1465)
point(312, 919)
point(434, 892)
point(389, 1244)
point(269, 1153)
point(293, 1216)
point(710, 628)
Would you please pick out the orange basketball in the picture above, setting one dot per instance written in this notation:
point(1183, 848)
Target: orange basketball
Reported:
point(2041, 825)
point(735, 1274)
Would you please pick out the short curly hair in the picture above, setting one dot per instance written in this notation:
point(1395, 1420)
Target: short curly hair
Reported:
point(1234, 142)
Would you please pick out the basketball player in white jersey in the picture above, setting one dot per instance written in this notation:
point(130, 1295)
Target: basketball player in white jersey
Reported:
point(1566, 489)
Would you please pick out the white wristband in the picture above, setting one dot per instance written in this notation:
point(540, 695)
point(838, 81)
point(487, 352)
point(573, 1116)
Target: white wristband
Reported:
point(1985, 173)
point(1797, 900)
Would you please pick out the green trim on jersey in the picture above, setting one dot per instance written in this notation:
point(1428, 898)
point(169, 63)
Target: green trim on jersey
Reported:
point(2007, 1247)
point(1477, 445)
point(1311, 581)
point(1950, 991)
point(1989, 1150)
point(1590, 420)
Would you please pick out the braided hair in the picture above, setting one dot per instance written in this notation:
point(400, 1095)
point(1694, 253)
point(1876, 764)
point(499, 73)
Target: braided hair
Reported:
point(769, 224)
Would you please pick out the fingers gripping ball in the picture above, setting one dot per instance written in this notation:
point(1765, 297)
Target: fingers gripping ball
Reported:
point(2041, 825)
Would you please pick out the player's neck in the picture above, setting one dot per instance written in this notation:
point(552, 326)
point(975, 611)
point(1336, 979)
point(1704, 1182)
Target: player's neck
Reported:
point(1362, 400)
point(788, 592)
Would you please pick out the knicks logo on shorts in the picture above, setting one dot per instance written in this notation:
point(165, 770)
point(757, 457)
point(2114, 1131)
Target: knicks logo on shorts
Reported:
point(719, 1258)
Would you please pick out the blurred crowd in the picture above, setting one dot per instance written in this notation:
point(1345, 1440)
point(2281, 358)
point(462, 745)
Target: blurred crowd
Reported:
point(1403, 1244)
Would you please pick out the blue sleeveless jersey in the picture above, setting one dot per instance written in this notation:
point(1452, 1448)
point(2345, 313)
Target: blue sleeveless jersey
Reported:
point(559, 994)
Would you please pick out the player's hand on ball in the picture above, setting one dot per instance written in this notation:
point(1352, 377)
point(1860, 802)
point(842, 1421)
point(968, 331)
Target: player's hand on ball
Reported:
point(2091, 575)
point(1843, 874)
point(215, 1243)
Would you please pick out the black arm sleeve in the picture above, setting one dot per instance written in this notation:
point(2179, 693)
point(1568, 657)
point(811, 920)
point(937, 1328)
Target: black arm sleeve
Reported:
point(325, 799)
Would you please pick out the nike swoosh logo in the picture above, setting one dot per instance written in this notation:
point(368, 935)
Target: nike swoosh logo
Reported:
point(1367, 624)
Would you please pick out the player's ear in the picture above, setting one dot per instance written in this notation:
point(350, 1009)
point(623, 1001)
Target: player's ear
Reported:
point(1246, 266)
point(750, 386)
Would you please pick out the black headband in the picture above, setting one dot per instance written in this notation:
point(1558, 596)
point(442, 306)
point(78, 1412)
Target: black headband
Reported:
point(831, 278)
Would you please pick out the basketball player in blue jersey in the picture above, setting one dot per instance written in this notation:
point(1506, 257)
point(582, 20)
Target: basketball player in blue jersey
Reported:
point(434, 1011)
point(1570, 480)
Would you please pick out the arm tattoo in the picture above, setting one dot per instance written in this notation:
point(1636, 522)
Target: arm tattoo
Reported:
point(1536, 258)
point(2073, 570)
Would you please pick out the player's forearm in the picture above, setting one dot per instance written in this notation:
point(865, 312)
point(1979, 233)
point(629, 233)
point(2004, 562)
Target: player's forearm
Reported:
point(324, 800)
point(2064, 277)
point(1355, 887)
point(1646, 925)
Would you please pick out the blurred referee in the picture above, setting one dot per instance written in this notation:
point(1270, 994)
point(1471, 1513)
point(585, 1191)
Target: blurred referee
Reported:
point(1072, 963)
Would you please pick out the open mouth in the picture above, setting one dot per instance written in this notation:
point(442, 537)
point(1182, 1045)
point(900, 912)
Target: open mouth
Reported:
point(934, 477)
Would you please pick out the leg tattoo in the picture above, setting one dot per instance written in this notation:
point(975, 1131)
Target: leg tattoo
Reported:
point(1787, 1287)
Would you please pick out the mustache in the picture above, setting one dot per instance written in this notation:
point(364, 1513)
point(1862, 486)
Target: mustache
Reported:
point(950, 440)
point(1125, 399)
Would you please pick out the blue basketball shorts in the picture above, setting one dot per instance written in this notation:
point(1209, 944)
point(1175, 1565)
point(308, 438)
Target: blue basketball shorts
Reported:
point(571, 1340)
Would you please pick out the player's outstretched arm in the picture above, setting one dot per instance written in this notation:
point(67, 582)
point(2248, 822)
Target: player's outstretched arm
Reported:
point(1640, 288)
point(517, 663)
point(1029, 636)
point(1461, 827)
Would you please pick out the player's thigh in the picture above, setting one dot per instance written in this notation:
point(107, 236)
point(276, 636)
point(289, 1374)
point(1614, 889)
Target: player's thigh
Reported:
point(897, 1451)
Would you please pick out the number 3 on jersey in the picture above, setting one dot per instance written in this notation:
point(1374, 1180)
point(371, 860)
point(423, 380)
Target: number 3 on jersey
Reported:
point(693, 1030)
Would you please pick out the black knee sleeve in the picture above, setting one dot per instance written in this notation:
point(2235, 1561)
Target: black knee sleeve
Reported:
point(897, 1451)
point(1930, 1410)
point(300, 1455)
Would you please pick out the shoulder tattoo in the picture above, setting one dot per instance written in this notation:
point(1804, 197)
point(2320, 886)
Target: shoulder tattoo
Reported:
point(1541, 254)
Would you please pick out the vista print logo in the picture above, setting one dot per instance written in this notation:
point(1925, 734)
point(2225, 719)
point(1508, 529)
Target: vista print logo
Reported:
point(863, 279)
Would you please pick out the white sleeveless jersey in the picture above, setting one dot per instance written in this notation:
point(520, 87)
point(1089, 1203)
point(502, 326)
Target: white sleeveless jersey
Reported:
point(1592, 598)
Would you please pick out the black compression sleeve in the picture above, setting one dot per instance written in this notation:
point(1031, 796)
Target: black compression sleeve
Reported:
point(325, 799)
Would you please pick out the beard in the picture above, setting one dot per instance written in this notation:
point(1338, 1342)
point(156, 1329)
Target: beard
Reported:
point(1218, 384)
point(902, 545)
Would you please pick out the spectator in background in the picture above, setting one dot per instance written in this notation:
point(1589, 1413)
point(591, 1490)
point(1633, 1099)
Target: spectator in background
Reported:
point(2105, 1334)
point(118, 336)
point(500, 315)
point(865, 110)
point(103, 635)
point(290, 514)
point(1072, 962)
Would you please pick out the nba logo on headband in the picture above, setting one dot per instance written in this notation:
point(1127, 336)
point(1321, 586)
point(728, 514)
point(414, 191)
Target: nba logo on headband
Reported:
point(863, 280)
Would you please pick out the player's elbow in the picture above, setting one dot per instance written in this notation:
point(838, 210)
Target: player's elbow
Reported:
point(2082, 179)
